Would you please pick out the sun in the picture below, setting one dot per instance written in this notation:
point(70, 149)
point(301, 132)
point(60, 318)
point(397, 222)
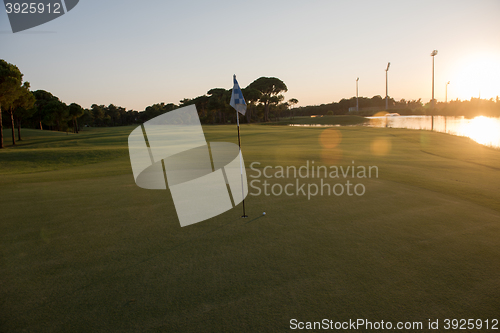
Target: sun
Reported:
point(476, 76)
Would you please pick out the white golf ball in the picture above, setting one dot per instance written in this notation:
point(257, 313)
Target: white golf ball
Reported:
point(264, 213)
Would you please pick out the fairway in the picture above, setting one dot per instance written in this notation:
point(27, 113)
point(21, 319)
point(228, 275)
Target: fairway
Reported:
point(83, 249)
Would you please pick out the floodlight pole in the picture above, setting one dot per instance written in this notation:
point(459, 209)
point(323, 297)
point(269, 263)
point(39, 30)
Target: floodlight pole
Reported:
point(446, 92)
point(434, 52)
point(357, 104)
point(387, 87)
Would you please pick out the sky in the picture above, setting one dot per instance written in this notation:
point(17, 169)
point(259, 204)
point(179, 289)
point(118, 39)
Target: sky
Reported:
point(134, 54)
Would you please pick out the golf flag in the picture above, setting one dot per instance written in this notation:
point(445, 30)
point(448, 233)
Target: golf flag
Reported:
point(238, 103)
point(237, 100)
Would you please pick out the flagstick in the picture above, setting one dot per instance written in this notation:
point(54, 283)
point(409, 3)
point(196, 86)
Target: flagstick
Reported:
point(241, 166)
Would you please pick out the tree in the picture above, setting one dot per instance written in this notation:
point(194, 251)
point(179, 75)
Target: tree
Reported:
point(270, 87)
point(75, 111)
point(22, 107)
point(41, 111)
point(122, 113)
point(112, 113)
point(156, 110)
point(132, 117)
point(201, 103)
point(218, 103)
point(87, 118)
point(98, 114)
point(10, 81)
point(57, 114)
point(377, 100)
point(291, 103)
point(251, 96)
point(185, 102)
point(278, 107)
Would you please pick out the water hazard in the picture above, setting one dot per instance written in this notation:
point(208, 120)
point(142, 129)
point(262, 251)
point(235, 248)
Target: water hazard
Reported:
point(484, 130)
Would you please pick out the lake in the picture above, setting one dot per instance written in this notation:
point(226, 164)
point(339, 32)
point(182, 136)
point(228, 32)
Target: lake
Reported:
point(484, 130)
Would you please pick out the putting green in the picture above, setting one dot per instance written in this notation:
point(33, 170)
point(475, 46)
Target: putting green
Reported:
point(84, 249)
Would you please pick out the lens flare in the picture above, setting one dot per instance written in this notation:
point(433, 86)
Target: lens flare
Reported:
point(381, 147)
point(329, 140)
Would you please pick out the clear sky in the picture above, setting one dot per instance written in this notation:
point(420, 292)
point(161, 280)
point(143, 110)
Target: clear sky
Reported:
point(137, 53)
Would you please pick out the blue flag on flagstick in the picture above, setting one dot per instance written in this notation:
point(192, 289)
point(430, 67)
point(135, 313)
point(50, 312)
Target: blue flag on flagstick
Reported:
point(237, 100)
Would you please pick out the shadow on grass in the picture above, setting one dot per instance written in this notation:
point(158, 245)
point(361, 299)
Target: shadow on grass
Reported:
point(255, 219)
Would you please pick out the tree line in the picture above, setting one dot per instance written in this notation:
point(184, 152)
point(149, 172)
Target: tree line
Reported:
point(14, 95)
point(368, 106)
point(42, 110)
point(263, 97)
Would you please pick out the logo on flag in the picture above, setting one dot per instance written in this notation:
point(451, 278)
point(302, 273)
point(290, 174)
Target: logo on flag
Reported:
point(237, 100)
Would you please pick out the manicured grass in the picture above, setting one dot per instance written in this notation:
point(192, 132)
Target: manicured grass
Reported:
point(46, 150)
point(83, 249)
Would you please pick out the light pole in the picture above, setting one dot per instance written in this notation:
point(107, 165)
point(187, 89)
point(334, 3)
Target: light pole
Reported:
point(434, 52)
point(357, 104)
point(387, 87)
point(446, 93)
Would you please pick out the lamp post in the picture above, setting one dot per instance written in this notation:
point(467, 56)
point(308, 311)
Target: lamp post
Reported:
point(446, 93)
point(357, 104)
point(433, 53)
point(387, 87)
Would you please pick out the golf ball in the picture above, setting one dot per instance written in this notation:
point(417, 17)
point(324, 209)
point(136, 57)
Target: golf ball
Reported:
point(264, 213)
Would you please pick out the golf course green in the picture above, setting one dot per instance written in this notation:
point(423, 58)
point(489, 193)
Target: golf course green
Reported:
point(84, 249)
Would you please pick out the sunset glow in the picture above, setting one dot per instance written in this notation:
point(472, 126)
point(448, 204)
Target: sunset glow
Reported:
point(476, 76)
point(483, 130)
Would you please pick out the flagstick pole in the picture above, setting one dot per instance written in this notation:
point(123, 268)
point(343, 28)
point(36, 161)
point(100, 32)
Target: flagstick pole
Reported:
point(241, 164)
